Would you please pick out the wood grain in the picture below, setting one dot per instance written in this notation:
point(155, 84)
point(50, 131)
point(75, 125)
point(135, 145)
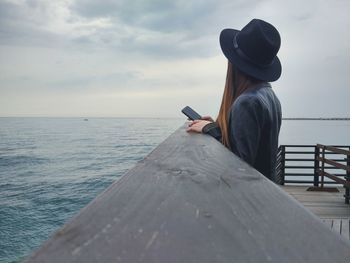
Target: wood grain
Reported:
point(192, 200)
point(345, 228)
point(323, 204)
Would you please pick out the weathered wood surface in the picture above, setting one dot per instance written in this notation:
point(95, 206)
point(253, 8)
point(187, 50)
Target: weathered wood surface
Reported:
point(323, 204)
point(340, 226)
point(329, 206)
point(191, 200)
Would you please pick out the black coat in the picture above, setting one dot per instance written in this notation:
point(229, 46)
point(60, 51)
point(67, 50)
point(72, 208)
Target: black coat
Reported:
point(254, 125)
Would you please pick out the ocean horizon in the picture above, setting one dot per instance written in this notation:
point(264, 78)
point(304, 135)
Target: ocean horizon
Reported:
point(51, 167)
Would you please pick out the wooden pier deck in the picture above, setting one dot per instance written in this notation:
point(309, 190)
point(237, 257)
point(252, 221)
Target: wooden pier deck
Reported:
point(328, 206)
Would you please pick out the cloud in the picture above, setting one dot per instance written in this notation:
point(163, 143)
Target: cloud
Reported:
point(160, 29)
point(169, 29)
point(159, 15)
point(131, 48)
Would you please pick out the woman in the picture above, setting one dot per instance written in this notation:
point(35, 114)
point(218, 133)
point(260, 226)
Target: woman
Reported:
point(249, 119)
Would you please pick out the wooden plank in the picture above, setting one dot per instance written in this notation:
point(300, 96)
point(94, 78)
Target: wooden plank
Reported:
point(327, 200)
point(345, 232)
point(299, 159)
point(299, 152)
point(332, 212)
point(336, 226)
point(299, 167)
point(298, 182)
point(192, 200)
point(325, 193)
point(300, 174)
point(334, 149)
point(300, 189)
point(336, 164)
point(322, 204)
point(327, 205)
point(335, 178)
point(337, 150)
point(299, 146)
point(319, 196)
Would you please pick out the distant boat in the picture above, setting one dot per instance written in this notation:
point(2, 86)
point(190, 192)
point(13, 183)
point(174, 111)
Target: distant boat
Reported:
point(86, 119)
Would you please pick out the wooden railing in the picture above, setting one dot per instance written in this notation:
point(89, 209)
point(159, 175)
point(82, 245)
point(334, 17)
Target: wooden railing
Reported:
point(301, 164)
point(192, 200)
point(327, 163)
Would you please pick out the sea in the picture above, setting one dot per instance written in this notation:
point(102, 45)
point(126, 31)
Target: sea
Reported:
point(50, 168)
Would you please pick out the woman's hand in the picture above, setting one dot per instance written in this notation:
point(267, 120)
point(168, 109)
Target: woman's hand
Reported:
point(197, 125)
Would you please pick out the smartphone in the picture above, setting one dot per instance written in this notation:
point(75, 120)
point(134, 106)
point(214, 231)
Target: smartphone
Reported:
point(191, 114)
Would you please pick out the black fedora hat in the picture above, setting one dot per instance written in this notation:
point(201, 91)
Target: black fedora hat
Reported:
point(253, 50)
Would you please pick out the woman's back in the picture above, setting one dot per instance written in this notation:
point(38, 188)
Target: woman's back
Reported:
point(255, 121)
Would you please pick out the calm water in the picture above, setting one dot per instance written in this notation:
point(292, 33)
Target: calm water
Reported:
point(52, 167)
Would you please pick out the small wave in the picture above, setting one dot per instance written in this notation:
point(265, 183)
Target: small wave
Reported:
point(51, 168)
point(21, 160)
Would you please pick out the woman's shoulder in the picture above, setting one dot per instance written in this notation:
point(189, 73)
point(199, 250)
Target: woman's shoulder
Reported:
point(253, 98)
point(247, 98)
point(255, 95)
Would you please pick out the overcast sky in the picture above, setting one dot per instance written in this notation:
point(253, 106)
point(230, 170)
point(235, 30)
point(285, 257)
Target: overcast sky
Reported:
point(131, 58)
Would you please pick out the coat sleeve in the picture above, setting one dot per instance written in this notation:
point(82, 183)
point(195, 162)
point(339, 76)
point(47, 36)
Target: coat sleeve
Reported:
point(246, 122)
point(213, 129)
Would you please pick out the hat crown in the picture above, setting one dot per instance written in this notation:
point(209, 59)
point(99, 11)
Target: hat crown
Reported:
point(259, 41)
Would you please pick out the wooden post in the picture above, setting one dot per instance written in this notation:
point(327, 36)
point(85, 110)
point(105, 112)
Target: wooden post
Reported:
point(347, 177)
point(316, 166)
point(192, 200)
point(280, 166)
point(322, 164)
point(283, 164)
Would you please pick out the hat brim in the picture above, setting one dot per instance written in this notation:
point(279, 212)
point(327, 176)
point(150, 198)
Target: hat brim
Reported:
point(270, 73)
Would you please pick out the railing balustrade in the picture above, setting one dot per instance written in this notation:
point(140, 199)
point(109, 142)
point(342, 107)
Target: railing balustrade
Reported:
point(316, 165)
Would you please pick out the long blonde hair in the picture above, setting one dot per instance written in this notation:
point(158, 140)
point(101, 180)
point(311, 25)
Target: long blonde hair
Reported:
point(236, 84)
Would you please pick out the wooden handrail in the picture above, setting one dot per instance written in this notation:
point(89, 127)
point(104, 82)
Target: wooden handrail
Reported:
point(334, 149)
point(192, 200)
point(335, 178)
point(334, 163)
